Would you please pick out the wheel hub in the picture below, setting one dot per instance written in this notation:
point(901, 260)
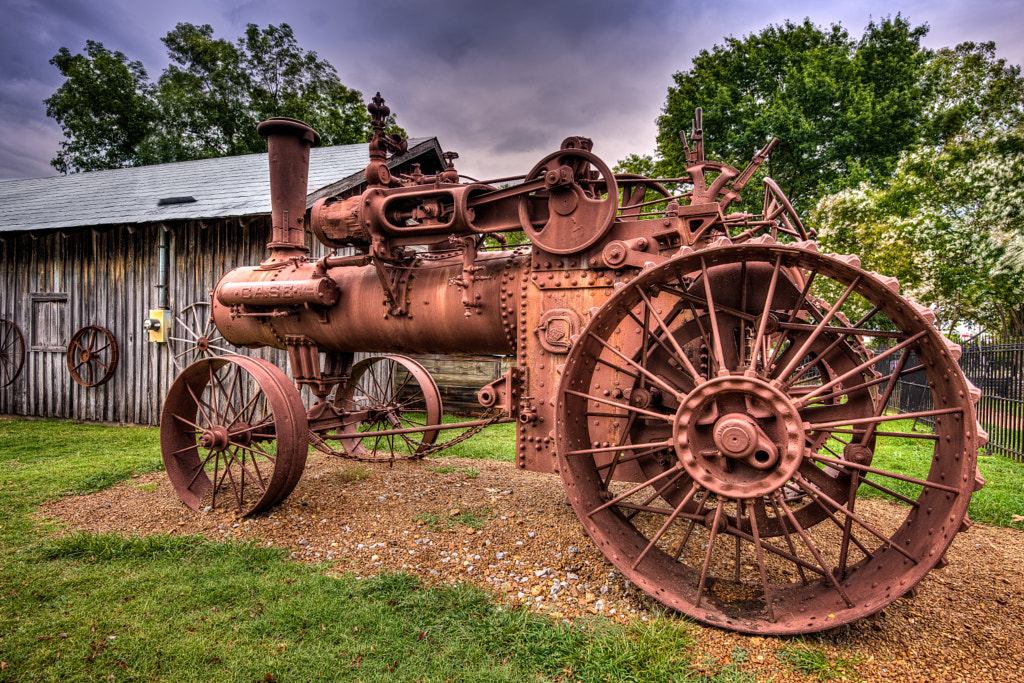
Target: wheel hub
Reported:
point(215, 438)
point(739, 437)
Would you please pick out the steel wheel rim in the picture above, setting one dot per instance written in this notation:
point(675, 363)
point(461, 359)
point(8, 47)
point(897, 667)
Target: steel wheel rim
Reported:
point(388, 394)
point(703, 585)
point(240, 420)
point(12, 352)
point(92, 356)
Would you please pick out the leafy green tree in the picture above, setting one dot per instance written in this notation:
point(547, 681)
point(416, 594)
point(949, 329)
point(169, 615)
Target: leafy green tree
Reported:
point(842, 109)
point(973, 90)
point(204, 97)
point(949, 224)
point(105, 108)
point(284, 80)
point(206, 103)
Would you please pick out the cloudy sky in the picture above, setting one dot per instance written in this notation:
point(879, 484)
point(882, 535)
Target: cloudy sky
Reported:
point(500, 83)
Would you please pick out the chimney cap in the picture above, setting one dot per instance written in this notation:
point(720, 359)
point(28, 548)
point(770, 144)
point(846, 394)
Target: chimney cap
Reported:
point(282, 125)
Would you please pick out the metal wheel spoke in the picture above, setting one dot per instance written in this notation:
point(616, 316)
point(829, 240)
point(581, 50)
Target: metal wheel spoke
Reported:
point(809, 544)
point(759, 554)
point(654, 379)
point(892, 475)
point(668, 522)
point(679, 354)
point(645, 449)
point(713, 315)
point(819, 328)
point(707, 555)
point(243, 470)
point(875, 419)
point(625, 406)
point(658, 492)
point(618, 499)
point(804, 400)
point(760, 336)
point(811, 488)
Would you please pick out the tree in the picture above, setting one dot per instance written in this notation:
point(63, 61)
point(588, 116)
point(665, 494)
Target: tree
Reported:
point(972, 90)
point(206, 103)
point(842, 109)
point(949, 224)
point(205, 97)
point(286, 81)
point(105, 108)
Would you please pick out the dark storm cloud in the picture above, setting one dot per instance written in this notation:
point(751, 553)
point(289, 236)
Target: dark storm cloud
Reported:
point(31, 33)
point(508, 82)
point(501, 83)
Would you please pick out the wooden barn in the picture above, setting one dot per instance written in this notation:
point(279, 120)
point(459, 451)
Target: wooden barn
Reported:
point(84, 258)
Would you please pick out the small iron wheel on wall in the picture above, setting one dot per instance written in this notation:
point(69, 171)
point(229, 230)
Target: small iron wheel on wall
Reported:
point(92, 356)
point(12, 352)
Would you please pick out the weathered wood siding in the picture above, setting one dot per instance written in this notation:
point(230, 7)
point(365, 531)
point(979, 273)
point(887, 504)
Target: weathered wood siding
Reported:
point(460, 377)
point(54, 283)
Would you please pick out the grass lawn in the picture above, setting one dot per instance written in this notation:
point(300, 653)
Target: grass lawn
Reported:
point(165, 608)
point(1001, 502)
point(106, 607)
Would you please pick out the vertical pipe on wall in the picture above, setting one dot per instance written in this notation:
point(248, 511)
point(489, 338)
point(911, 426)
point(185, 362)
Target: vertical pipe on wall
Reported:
point(163, 271)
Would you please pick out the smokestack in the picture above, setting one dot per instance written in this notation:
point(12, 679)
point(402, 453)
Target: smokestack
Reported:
point(288, 142)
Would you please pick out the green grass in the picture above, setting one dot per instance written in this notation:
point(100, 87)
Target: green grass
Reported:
point(814, 661)
point(100, 607)
point(353, 472)
point(181, 608)
point(471, 517)
point(470, 472)
point(998, 503)
point(496, 442)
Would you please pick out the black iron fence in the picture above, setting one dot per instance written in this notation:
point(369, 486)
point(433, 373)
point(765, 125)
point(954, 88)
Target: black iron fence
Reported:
point(997, 369)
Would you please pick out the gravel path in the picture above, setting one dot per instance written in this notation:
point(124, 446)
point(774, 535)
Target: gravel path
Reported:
point(966, 622)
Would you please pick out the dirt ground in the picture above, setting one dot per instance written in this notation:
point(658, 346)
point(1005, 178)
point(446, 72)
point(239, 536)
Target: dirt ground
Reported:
point(966, 622)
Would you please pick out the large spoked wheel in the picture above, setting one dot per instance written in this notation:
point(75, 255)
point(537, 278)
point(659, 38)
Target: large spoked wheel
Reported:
point(389, 405)
point(12, 352)
point(92, 356)
point(233, 434)
point(718, 426)
point(581, 200)
point(195, 336)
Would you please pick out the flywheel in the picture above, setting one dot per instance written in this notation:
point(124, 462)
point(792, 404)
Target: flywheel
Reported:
point(723, 432)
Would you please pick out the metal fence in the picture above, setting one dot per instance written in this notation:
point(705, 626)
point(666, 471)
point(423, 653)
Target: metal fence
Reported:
point(997, 369)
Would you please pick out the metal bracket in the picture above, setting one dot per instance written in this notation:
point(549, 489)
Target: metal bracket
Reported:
point(304, 358)
point(394, 285)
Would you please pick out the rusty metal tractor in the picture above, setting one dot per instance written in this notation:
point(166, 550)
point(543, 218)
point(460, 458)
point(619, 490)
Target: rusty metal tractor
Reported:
point(699, 379)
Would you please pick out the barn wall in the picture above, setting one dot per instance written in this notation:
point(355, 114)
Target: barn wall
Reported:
point(54, 283)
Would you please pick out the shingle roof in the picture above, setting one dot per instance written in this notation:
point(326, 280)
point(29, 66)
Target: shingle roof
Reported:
point(222, 187)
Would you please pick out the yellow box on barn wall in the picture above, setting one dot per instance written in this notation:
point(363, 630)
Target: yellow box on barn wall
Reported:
point(158, 325)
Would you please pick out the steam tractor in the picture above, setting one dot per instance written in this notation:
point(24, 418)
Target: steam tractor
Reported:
point(699, 378)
